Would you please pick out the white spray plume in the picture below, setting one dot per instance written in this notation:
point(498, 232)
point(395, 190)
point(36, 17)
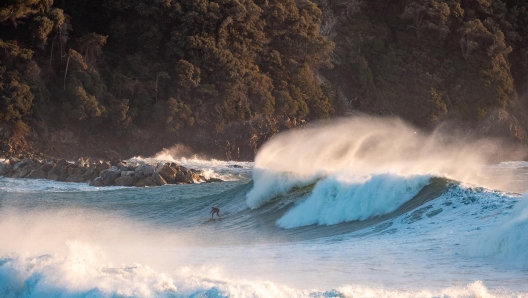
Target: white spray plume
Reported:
point(363, 146)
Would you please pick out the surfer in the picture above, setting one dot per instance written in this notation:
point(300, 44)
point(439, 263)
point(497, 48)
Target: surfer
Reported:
point(215, 210)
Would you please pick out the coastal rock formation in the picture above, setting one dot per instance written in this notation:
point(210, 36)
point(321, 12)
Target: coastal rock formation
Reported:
point(102, 173)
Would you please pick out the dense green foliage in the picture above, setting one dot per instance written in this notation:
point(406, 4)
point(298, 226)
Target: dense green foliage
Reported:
point(426, 60)
point(170, 66)
point(160, 65)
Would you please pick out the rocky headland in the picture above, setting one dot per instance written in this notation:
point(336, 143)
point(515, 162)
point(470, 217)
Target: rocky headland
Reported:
point(101, 173)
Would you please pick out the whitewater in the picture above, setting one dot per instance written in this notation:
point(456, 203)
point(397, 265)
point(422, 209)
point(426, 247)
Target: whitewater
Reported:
point(362, 207)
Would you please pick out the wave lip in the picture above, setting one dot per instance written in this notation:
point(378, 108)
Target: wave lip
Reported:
point(333, 201)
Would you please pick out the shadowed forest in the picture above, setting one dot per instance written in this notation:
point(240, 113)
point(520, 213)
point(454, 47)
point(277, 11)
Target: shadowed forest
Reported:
point(223, 76)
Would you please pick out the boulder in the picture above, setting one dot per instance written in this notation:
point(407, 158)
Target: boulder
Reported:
point(71, 170)
point(52, 176)
point(122, 166)
point(5, 167)
point(127, 173)
point(138, 176)
point(98, 182)
point(13, 160)
point(89, 174)
point(19, 165)
point(37, 174)
point(158, 179)
point(211, 180)
point(47, 166)
point(75, 178)
point(63, 177)
point(168, 173)
point(184, 176)
point(147, 181)
point(24, 171)
point(110, 176)
point(146, 169)
point(61, 163)
point(55, 170)
point(102, 166)
point(124, 181)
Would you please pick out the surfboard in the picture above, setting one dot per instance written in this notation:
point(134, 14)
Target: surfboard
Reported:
point(212, 220)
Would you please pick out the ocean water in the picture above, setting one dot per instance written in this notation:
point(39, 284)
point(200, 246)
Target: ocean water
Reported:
point(355, 208)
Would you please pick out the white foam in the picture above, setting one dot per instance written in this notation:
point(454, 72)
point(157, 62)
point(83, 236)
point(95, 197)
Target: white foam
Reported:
point(333, 201)
point(475, 289)
point(24, 185)
point(212, 168)
point(82, 270)
point(507, 242)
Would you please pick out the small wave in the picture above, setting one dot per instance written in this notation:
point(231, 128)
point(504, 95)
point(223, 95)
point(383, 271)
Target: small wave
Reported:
point(80, 275)
point(23, 185)
point(333, 201)
point(475, 289)
point(508, 242)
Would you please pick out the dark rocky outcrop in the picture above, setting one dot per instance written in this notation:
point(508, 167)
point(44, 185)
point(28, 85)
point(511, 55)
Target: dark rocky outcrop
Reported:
point(101, 173)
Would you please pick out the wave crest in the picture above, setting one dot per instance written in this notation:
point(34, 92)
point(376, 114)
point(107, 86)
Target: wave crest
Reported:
point(333, 201)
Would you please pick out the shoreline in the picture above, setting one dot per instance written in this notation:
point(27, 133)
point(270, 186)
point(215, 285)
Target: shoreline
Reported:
point(101, 173)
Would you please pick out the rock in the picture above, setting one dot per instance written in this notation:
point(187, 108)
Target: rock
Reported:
point(52, 176)
point(63, 177)
point(124, 181)
point(61, 163)
point(5, 167)
point(37, 174)
point(71, 170)
point(110, 176)
point(158, 179)
point(55, 170)
point(147, 181)
point(127, 173)
point(89, 174)
point(184, 175)
point(121, 166)
point(211, 180)
point(75, 178)
point(146, 169)
point(47, 166)
point(22, 171)
point(168, 173)
point(19, 165)
point(100, 166)
point(13, 161)
point(98, 182)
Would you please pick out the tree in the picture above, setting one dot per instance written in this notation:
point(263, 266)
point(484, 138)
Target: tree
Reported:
point(430, 15)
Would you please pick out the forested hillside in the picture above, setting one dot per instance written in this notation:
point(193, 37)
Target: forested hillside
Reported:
point(222, 76)
point(426, 60)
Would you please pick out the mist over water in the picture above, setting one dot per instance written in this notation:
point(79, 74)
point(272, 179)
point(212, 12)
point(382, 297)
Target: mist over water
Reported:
point(355, 148)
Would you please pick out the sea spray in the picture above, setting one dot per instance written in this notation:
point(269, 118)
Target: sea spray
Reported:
point(364, 146)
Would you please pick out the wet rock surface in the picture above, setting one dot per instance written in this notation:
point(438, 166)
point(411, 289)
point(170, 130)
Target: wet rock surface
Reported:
point(101, 173)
